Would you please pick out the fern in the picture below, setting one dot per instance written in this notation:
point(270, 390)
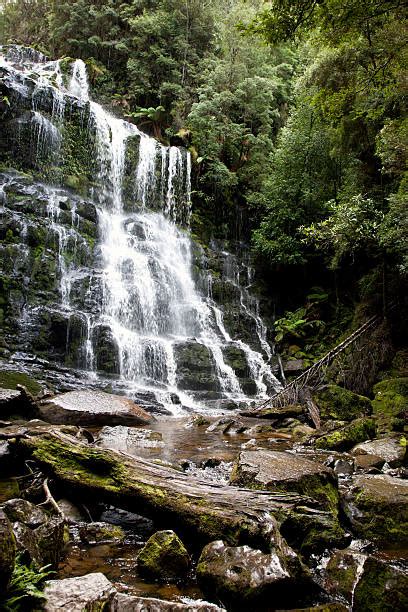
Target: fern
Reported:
point(25, 588)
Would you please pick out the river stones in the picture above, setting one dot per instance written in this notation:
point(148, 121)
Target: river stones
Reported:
point(244, 576)
point(7, 551)
point(388, 449)
point(129, 603)
point(342, 573)
point(381, 588)
point(335, 402)
point(286, 472)
point(93, 408)
point(164, 557)
point(377, 507)
point(92, 592)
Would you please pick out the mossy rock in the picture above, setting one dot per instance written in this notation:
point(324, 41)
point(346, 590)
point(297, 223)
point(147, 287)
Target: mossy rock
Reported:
point(164, 557)
point(348, 436)
point(9, 489)
point(377, 507)
point(310, 532)
point(7, 551)
point(9, 379)
point(382, 588)
point(335, 402)
point(391, 397)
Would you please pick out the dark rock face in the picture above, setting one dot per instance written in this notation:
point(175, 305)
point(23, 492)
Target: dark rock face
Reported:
point(244, 576)
point(195, 367)
point(164, 557)
point(7, 551)
point(377, 507)
point(93, 408)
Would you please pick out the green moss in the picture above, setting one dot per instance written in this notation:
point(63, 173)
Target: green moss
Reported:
point(164, 557)
point(309, 532)
point(10, 379)
point(381, 588)
point(391, 397)
point(345, 438)
point(335, 402)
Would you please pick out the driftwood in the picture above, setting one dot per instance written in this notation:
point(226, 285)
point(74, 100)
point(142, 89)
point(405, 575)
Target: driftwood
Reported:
point(204, 510)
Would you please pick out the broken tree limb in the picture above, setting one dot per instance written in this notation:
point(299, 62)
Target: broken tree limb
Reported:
point(207, 511)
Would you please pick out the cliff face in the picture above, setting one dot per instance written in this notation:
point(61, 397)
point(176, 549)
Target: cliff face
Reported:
point(99, 272)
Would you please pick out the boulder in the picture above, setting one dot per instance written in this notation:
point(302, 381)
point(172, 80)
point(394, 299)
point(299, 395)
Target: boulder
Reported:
point(335, 402)
point(381, 588)
point(97, 533)
point(390, 403)
point(164, 557)
point(129, 603)
point(388, 449)
point(23, 511)
point(92, 408)
point(347, 436)
point(36, 533)
point(310, 531)
point(369, 462)
point(377, 507)
point(10, 379)
point(92, 592)
point(72, 513)
point(286, 472)
point(7, 551)
point(244, 576)
point(342, 573)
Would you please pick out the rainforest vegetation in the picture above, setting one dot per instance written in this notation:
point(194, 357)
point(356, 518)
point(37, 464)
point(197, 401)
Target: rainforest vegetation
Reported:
point(295, 113)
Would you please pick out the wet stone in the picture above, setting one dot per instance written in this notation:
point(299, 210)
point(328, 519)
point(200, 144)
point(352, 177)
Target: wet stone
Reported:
point(129, 603)
point(164, 557)
point(92, 408)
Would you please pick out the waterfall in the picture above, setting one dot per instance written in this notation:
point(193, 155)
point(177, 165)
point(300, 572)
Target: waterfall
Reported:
point(148, 306)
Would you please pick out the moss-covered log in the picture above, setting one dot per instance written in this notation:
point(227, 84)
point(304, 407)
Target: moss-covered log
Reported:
point(206, 511)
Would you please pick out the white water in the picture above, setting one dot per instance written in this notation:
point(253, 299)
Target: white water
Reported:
point(149, 301)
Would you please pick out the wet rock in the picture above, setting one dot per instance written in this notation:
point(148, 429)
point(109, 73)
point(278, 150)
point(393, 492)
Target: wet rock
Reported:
point(92, 592)
point(16, 402)
point(310, 531)
point(97, 533)
point(7, 551)
point(382, 588)
point(72, 513)
point(129, 603)
point(5, 455)
point(195, 367)
point(342, 467)
point(128, 439)
point(128, 521)
point(342, 573)
point(40, 535)
point(388, 449)
point(346, 437)
point(244, 576)
point(377, 507)
point(282, 471)
point(93, 408)
point(335, 402)
point(23, 511)
point(226, 425)
point(164, 557)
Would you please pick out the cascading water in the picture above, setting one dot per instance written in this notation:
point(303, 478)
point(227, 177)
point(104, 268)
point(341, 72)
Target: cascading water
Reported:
point(147, 302)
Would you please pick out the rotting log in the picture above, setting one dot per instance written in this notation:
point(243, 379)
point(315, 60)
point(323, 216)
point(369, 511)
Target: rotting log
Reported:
point(203, 510)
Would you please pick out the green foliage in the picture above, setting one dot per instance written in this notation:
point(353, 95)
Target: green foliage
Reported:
point(25, 589)
point(295, 325)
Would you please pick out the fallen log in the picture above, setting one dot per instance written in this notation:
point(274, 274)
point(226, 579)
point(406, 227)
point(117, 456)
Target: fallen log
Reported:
point(207, 511)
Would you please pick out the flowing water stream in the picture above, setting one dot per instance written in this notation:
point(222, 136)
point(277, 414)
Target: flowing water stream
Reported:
point(146, 298)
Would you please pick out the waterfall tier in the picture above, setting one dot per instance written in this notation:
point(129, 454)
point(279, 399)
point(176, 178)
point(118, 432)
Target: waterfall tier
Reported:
point(108, 282)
